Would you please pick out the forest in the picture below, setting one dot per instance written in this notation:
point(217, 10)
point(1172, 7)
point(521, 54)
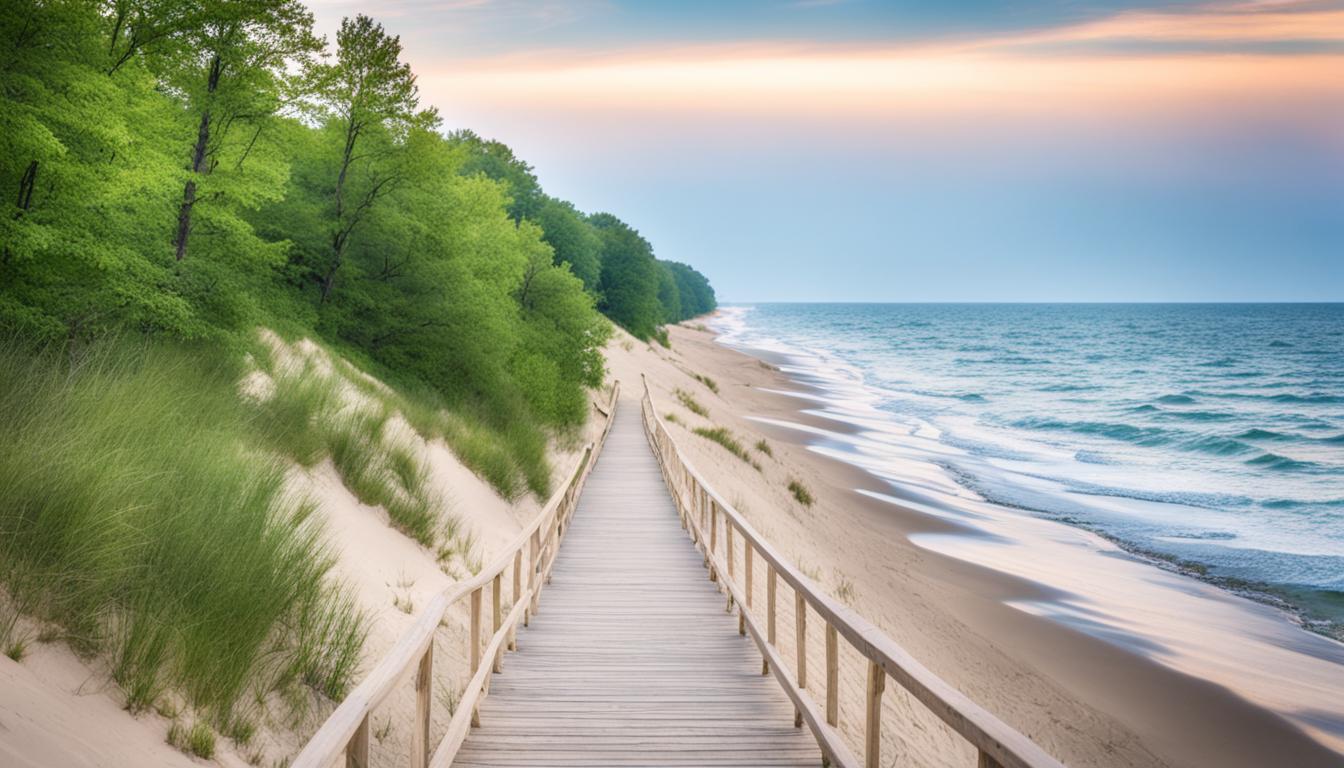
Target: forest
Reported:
point(194, 170)
point(179, 174)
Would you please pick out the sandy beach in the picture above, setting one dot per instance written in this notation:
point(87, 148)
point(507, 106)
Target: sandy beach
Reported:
point(1101, 657)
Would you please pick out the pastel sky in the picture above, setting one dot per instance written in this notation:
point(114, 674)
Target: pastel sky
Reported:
point(891, 150)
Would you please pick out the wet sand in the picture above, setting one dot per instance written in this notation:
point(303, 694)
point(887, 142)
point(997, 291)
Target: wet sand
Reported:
point(1098, 655)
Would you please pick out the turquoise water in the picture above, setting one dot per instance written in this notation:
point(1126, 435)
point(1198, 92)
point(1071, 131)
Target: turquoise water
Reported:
point(1207, 434)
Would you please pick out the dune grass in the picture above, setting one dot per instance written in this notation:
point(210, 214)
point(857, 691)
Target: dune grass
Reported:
point(142, 519)
point(708, 382)
point(690, 403)
point(764, 447)
point(726, 439)
point(197, 740)
point(800, 492)
point(512, 458)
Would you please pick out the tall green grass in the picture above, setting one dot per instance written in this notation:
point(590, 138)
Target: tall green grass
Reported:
point(506, 449)
point(141, 518)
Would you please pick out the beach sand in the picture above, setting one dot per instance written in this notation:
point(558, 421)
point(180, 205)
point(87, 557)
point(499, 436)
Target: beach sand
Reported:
point(1100, 657)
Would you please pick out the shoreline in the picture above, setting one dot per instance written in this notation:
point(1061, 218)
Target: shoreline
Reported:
point(1051, 658)
point(1296, 608)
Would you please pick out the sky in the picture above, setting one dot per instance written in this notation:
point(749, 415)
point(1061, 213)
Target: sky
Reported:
point(891, 150)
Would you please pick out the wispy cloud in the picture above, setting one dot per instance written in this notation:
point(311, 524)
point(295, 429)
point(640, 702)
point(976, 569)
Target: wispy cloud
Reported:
point(1127, 60)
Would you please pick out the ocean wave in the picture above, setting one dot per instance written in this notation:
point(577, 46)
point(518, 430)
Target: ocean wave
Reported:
point(1090, 457)
point(1068, 388)
point(1281, 463)
point(1278, 343)
point(1176, 400)
point(1125, 432)
point(1217, 446)
point(1185, 498)
point(1213, 445)
point(1313, 398)
point(1265, 434)
point(1222, 362)
point(1200, 415)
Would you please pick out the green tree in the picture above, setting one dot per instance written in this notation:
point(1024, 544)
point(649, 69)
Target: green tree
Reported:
point(370, 97)
point(229, 65)
point(695, 295)
point(497, 161)
point(575, 241)
point(629, 278)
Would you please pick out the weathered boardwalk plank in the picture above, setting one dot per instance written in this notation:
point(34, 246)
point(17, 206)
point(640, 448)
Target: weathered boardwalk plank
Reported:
point(633, 660)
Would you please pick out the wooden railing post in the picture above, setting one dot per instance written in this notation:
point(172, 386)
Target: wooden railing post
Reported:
point(713, 537)
point(533, 569)
point(728, 545)
point(494, 599)
point(877, 682)
point(747, 569)
point(357, 751)
point(832, 676)
point(770, 580)
point(800, 625)
point(517, 593)
point(475, 647)
point(420, 730)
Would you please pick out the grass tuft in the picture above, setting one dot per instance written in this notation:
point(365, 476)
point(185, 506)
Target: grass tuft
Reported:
point(844, 591)
point(197, 740)
point(708, 382)
point(691, 403)
point(764, 447)
point(800, 492)
point(724, 438)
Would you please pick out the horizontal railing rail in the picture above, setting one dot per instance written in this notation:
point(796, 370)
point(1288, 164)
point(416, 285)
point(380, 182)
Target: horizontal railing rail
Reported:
point(704, 513)
point(344, 736)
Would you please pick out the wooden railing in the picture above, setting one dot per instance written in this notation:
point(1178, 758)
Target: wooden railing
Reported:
point(344, 737)
point(704, 513)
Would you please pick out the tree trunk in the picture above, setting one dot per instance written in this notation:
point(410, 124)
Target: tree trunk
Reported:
point(197, 165)
point(338, 240)
point(25, 199)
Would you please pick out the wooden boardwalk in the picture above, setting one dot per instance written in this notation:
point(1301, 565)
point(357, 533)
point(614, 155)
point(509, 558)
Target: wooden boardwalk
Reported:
point(633, 660)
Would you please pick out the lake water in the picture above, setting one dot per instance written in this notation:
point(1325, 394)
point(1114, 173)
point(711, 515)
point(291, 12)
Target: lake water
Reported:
point(1211, 435)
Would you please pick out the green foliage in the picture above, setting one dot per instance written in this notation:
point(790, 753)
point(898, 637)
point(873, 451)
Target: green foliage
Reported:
point(630, 277)
point(764, 447)
point(141, 519)
point(708, 382)
point(197, 740)
point(694, 294)
point(800, 492)
point(575, 241)
point(496, 161)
